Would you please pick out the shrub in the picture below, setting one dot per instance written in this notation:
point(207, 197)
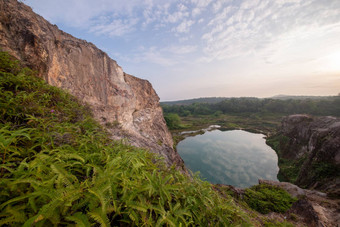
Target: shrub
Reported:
point(267, 198)
point(173, 121)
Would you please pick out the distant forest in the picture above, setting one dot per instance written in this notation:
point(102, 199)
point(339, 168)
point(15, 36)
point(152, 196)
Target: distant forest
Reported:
point(328, 105)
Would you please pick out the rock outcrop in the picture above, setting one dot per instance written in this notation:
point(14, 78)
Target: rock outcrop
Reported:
point(316, 142)
point(313, 208)
point(127, 105)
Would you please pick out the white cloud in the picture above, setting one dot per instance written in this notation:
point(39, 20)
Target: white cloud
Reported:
point(182, 7)
point(176, 16)
point(256, 25)
point(249, 4)
point(184, 27)
point(181, 49)
point(167, 56)
point(80, 13)
point(220, 17)
point(217, 6)
point(201, 3)
point(154, 56)
point(195, 12)
point(199, 6)
point(117, 27)
point(155, 14)
point(278, 35)
point(157, 58)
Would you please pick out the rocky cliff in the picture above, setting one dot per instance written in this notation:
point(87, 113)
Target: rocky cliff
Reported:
point(128, 106)
point(312, 145)
point(313, 208)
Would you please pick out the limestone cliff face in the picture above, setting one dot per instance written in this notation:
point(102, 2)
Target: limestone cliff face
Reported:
point(127, 105)
point(316, 141)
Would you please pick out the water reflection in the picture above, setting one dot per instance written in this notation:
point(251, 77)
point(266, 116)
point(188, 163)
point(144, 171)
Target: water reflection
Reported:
point(234, 157)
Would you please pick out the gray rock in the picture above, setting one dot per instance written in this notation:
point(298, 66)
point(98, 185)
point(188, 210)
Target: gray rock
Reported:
point(313, 208)
point(318, 140)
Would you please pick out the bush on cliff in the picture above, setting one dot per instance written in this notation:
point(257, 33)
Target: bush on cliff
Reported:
point(172, 121)
point(267, 198)
point(59, 167)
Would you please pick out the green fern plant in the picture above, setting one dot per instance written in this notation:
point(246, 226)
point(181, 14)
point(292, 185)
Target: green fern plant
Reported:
point(59, 167)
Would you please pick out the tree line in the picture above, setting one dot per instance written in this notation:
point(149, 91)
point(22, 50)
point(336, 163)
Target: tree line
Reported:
point(320, 107)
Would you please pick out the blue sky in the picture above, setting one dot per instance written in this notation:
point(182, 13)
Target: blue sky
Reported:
point(204, 48)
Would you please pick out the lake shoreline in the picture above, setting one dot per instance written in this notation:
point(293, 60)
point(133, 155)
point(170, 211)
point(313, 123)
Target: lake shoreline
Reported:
point(225, 156)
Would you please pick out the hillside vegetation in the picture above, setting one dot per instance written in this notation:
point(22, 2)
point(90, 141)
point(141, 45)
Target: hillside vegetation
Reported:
point(59, 167)
point(318, 105)
point(251, 114)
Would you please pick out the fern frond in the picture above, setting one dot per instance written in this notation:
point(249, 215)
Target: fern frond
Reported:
point(31, 221)
point(100, 217)
point(12, 215)
point(14, 200)
point(80, 219)
point(64, 176)
point(138, 206)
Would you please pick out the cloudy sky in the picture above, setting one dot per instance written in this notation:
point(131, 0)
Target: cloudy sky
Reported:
point(204, 48)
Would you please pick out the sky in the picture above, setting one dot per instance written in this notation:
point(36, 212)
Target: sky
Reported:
point(205, 48)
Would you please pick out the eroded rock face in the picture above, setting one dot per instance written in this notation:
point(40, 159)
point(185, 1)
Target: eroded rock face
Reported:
point(317, 141)
point(313, 208)
point(128, 105)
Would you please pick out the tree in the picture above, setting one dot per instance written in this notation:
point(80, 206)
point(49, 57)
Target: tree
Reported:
point(172, 121)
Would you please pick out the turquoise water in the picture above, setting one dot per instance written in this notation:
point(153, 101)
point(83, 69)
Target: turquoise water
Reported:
point(235, 157)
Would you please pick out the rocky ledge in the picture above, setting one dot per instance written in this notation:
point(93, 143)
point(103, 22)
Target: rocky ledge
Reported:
point(313, 208)
point(315, 141)
point(128, 106)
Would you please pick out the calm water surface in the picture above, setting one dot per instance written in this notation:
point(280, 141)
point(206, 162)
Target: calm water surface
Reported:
point(236, 157)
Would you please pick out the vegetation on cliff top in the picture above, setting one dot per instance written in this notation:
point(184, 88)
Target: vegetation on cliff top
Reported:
point(59, 167)
point(267, 198)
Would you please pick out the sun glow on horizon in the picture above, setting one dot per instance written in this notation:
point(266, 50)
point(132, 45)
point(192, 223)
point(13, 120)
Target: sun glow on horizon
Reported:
point(333, 61)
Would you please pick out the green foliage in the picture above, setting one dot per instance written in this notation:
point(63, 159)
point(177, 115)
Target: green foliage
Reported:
point(289, 169)
point(8, 63)
point(218, 113)
point(114, 124)
point(321, 172)
point(267, 198)
point(172, 121)
point(278, 224)
point(325, 170)
point(59, 168)
point(315, 106)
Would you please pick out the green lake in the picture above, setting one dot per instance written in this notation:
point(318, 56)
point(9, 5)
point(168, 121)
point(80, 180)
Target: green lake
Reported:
point(234, 157)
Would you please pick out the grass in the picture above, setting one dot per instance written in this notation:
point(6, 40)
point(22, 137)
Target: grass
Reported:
point(59, 167)
point(267, 198)
point(266, 123)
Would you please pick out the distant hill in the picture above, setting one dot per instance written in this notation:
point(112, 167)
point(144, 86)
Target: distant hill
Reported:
point(210, 100)
point(213, 100)
point(299, 97)
point(315, 105)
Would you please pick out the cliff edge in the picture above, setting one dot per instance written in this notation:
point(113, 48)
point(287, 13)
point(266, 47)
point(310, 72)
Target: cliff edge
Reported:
point(309, 152)
point(127, 105)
